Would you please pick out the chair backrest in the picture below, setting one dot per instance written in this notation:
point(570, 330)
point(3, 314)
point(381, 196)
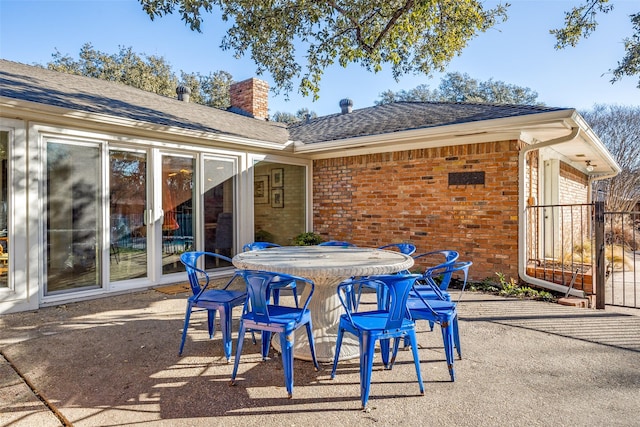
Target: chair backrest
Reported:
point(337, 243)
point(405, 248)
point(448, 271)
point(439, 259)
point(257, 246)
point(196, 274)
point(449, 256)
point(395, 287)
point(257, 290)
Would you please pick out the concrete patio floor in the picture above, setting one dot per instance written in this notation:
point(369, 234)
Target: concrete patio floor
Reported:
point(114, 362)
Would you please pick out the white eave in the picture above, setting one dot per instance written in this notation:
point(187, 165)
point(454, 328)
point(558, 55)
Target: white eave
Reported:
point(26, 110)
point(531, 129)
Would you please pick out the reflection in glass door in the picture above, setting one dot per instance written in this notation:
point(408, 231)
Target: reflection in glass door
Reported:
point(279, 202)
point(72, 225)
point(218, 201)
point(127, 206)
point(177, 205)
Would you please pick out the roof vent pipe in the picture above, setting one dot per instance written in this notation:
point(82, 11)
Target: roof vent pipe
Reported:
point(346, 105)
point(183, 93)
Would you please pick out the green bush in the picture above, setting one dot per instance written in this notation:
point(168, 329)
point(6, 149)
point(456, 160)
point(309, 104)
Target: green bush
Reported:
point(307, 239)
point(511, 288)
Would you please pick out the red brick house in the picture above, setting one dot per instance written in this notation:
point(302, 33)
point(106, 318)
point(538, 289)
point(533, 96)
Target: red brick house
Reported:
point(104, 185)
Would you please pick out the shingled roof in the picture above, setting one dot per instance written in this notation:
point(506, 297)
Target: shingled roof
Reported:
point(402, 116)
point(79, 93)
point(40, 85)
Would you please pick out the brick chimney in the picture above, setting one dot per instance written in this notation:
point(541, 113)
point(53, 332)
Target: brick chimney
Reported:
point(251, 97)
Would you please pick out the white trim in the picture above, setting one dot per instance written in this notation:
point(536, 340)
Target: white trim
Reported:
point(20, 294)
point(73, 118)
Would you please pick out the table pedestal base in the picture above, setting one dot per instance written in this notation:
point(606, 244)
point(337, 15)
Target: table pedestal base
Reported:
point(325, 310)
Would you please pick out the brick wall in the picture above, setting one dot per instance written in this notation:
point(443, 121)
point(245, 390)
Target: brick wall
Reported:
point(377, 199)
point(251, 96)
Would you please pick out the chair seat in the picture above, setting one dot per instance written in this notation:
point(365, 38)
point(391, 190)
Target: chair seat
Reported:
point(260, 315)
point(372, 321)
point(215, 301)
point(444, 310)
point(429, 293)
point(285, 318)
point(383, 324)
point(218, 296)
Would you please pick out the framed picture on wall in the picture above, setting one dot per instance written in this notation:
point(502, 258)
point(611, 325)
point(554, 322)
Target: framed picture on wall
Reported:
point(277, 198)
point(261, 189)
point(277, 178)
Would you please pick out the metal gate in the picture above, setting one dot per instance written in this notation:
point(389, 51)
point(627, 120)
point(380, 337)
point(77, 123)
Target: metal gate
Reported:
point(621, 251)
point(585, 248)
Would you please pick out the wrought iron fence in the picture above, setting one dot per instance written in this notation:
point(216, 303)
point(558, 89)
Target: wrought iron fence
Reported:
point(583, 247)
point(621, 242)
point(560, 245)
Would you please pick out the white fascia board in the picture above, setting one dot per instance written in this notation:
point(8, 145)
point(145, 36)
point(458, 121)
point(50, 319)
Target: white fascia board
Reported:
point(594, 141)
point(456, 134)
point(25, 110)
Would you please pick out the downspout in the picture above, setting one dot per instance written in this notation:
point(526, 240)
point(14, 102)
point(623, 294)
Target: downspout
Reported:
point(522, 236)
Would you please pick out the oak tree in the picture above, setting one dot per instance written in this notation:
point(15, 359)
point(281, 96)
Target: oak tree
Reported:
point(410, 36)
point(151, 73)
point(580, 22)
point(457, 87)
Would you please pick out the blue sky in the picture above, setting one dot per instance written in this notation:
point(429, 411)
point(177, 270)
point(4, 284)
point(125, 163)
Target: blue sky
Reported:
point(518, 52)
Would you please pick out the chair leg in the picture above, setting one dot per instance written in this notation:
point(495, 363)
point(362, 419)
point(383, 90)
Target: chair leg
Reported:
point(337, 355)
point(266, 344)
point(294, 291)
point(416, 358)
point(456, 337)
point(236, 362)
point(367, 348)
point(312, 345)
point(276, 296)
point(286, 345)
point(396, 346)
point(211, 318)
point(187, 316)
point(447, 338)
point(225, 320)
point(385, 348)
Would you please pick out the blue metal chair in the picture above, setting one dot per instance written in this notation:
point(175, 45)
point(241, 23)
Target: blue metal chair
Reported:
point(337, 243)
point(436, 259)
point(258, 314)
point(257, 246)
point(379, 324)
point(212, 300)
point(405, 248)
point(441, 311)
point(437, 274)
point(442, 280)
point(276, 284)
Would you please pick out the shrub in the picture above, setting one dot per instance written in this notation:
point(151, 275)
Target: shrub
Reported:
point(307, 239)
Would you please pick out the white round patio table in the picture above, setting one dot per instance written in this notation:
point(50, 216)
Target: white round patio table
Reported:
point(327, 266)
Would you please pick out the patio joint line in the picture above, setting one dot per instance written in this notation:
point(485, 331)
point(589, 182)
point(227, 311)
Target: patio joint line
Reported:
point(44, 401)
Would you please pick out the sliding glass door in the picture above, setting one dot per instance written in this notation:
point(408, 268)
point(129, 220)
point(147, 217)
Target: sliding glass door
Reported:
point(127, 209)
point(218, 207)
point(178, 210)
point(73, 194)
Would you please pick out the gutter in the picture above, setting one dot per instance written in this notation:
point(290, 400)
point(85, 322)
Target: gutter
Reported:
point(522, 238)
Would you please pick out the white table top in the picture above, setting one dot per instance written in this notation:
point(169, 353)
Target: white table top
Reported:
point(324, 261)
